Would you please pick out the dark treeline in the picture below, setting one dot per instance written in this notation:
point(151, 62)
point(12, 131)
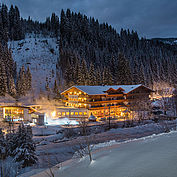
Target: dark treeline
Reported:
point(11, 28)
point(11, 82)
point(93, 53)
point(10, 24)
point(14, 27)
point(49, 27)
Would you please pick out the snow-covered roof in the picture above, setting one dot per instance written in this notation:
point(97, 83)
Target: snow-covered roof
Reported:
point(98, 90)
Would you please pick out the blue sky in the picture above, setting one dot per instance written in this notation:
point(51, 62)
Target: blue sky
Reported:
point(150, 18)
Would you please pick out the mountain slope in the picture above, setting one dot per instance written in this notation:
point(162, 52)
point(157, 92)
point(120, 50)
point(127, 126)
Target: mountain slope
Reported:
point(40, 54)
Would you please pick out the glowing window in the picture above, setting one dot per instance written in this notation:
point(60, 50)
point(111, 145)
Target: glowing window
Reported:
point(76, 113)
point(72, 113)
point(67, 113)
point(63, 113)
point(80, 113)
point(85, 113)
point(59, 113)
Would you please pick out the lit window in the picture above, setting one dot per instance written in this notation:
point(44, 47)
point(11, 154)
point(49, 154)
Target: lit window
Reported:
point(85, 113)
point(67, 113)
point(72, 113)
point(63, 113)
point(80, 113)
point(76, 113)
point(59, 113)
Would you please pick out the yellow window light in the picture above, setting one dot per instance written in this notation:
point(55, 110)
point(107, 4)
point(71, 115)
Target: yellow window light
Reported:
point(53, 113)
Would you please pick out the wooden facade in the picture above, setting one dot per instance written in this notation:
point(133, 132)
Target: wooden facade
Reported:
point(105, 101)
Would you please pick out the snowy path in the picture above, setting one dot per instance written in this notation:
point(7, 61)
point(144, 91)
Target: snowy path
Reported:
point(154, 156)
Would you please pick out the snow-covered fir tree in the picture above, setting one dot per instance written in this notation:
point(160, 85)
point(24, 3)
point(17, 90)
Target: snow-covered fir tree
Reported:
point(25, 151)
point(56, 90)
point(28, 79)
point(12, 87)
point(2, 146)
point(3, 79)
point(24, 81)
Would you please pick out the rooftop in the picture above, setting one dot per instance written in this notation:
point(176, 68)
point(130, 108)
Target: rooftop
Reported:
point(98, 90)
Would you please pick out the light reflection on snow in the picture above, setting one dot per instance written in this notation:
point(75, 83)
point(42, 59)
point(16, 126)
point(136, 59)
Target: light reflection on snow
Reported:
point(60, 121)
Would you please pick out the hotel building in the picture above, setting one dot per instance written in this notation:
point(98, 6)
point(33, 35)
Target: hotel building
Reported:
point(105, 101)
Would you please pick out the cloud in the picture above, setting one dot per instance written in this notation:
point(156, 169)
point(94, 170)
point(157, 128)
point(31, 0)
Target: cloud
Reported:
point(150, 18)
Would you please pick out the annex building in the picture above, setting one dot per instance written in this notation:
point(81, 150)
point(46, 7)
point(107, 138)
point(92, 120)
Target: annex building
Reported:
point(105, 101)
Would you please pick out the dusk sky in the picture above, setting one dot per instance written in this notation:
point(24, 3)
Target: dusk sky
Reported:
point(150, 18)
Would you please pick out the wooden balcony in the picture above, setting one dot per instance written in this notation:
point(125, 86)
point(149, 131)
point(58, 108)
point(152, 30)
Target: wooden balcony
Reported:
point(108, 101)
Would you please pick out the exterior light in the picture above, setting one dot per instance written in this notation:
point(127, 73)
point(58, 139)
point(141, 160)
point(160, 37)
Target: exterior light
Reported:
point(53, 114)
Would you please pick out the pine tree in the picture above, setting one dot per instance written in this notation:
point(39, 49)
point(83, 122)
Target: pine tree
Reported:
point(5, 22)
point(21, 82)
point(11, 22)
point(12, 88)
point(3, 79)
point(2, 146)
point(25, 152)
point(84, 73)
point(92, 75)
point(124, 72)
point(107, 77)
point(56, 91)
point(12, 144)
point(28, 79)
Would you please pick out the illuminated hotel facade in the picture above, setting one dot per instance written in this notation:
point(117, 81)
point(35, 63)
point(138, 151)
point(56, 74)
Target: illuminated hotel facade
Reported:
point(105, 101)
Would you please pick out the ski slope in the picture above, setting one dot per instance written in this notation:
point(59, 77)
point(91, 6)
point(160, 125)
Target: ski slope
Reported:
point(40, 54)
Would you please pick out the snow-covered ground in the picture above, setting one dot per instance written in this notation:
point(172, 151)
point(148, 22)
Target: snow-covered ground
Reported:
point(61, 121)
point(146, 157)
point(56, 148)
point(40, 54)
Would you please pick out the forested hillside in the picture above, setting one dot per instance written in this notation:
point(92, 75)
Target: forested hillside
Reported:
point(93, 53)
point(90, 53)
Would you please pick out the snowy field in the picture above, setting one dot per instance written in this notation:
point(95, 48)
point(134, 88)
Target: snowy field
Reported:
point(54, 147)
point(153, 156)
